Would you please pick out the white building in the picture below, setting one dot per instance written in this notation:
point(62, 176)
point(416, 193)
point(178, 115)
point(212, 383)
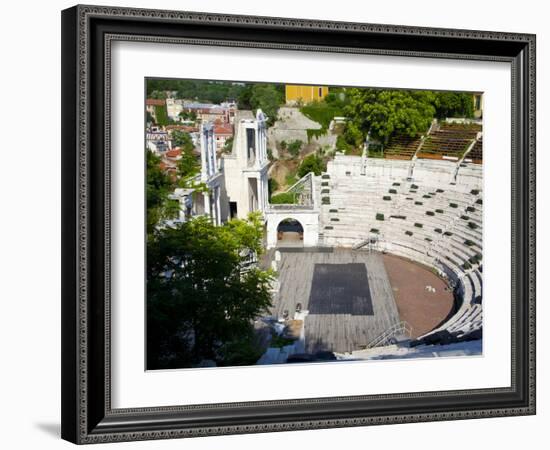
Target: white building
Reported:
point(245, 168)
point(236, 185)
point(173, 109)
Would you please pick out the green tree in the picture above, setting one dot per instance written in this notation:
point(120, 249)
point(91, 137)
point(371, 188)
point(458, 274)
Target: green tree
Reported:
point(267, 97)
point(158, 188)
point(384, 113)
point(454, 104)
point(188, 165)
point(161, 115)
point(311, 163)
point(200, 304)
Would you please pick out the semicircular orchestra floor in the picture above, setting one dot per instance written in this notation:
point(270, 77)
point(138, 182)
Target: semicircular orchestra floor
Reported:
point(422, 308)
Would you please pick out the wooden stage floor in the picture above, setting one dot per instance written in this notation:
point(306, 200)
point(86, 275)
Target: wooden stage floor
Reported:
point(347, 293)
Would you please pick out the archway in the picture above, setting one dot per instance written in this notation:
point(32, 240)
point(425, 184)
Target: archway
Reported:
point(290, 233)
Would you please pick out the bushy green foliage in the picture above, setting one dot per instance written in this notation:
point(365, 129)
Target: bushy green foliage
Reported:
point(311, 163)
point(454, 104)
point(285, 198)
point(265, 96)
point(157, 190)
point(161, 115)
point(384, 113)
point(272, 186)
point(294, 148)
point(200, 305)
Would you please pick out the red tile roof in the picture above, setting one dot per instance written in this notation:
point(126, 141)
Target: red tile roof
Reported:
point(223, 130)
point(174, 153)
point(155, 102)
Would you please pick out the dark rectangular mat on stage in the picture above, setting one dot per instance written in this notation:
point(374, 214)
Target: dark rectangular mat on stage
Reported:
point(340, 289)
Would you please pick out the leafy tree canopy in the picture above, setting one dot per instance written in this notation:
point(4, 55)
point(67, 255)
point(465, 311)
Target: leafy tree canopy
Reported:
point(159, 186)
point(384, 113)
point(201, 305)
point(267, 97)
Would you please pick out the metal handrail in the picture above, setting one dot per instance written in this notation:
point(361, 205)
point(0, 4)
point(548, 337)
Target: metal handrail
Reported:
point(399, 328)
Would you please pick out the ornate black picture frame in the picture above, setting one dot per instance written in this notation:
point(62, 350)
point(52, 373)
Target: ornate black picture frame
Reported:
point(87, 34)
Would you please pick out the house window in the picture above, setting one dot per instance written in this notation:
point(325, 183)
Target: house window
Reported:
point(320, 92)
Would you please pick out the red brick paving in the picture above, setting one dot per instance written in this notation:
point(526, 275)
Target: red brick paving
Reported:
point(423, 310)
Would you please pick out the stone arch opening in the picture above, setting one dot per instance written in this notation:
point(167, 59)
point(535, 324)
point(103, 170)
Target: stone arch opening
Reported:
point(290, 233)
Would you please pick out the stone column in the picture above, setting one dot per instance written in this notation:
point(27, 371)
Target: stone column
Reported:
point(206, 196)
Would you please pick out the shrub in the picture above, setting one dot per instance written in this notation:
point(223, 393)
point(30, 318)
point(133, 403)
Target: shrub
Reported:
point(474, 192)
point(438, 230)
point(392, 191)
point(414, 186)
point(311, 163)
point(386, 197)
point(396, 184)
point(409, 233)
point(418, 203)
point(470, 209)
point(374, 230)
point(379, 216)
point(472, 225)
point(325, 200)
point(479, 201)
point(418, 225)
point(440, 211)
point(286, 198)
point(453, 205)
point(465, 217)
point(447, 233)
point(466, 265)
point(430, 213)
point(294, 147)
point(469, 243)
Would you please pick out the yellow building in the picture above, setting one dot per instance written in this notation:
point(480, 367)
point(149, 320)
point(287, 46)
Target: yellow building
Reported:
point(304, 94)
